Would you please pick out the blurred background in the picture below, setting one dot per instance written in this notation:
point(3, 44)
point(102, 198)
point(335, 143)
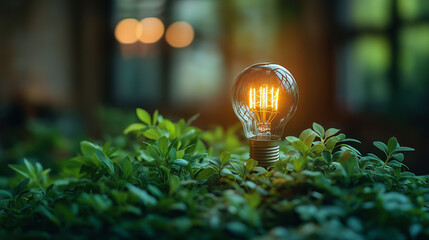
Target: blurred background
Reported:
point(77, 69)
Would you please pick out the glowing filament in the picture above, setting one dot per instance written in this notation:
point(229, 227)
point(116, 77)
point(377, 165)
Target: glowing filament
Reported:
point(276, 99)
point(266, 108)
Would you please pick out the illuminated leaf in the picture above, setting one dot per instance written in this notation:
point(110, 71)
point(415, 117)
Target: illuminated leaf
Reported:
point(144, 116)
point(319, 130)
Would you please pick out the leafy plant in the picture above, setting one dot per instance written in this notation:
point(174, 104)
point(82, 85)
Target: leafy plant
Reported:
point(33, 172)
point(173, 180)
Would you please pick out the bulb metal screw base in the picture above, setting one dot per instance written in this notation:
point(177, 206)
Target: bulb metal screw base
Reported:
point(265, 151)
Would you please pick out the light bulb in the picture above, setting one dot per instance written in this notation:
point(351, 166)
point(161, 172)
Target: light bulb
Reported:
point(264, 97)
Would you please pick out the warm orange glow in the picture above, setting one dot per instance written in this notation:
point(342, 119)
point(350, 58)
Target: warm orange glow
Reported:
point(266, 108)
point(125, 31)
point(251, 98)
point(276, 99)
point(179, 34)
point(150, 30)
point(268, 98)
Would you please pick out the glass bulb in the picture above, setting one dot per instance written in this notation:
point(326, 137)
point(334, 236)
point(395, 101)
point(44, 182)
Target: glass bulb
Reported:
point(264, 97)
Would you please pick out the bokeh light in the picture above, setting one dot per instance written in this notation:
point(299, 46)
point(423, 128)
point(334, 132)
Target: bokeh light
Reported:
point(126, 31)
point(179, 34)
point(150, 30)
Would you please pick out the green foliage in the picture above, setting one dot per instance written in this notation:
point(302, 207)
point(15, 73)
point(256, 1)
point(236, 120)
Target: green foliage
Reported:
point(173, 180)
point(34, 172)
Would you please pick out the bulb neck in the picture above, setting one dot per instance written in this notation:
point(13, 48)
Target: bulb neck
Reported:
point(264, 128)
point(264, 150)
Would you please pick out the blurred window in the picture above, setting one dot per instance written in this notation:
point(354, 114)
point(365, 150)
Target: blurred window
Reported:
point(366, 83)
point(197, 70)
point(414, 62)
point(384, 55)
point(413, 9)
point(182, 67)
point(369, 13)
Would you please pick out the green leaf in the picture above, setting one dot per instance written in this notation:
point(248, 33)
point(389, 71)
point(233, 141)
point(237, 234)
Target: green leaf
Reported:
point(165, 170)
point(319, 130)
point(198, 156)
point(331, 132)
point(301, 147)
point(327, 156)
point(348, 161)
point(48, 214)
point(372, 157)
point(174, 184)
point(349, 140)
point(134, 127)
point(226, 172)
point(348, 147)
point(224, 157)
point(152, 133)
point(317, 149)
point(147, 199)
point(30, 169)
point(21, 186)
point(172, 144)
point(407, 175)
point(298, 163)
point(330, 144)
point(250, 164)
point(398, 156)
point(127, 167)
point(153, 151)
point(192, 119)
point(172, 153)
point(392, 144)
point(342, 136)
point(403, 149)
point(180, 154)
point(305, 133)
point(168, 126)
point(105, 161)
point(143, 116)
point(382, 147)
point(375, 157)
point(155, 117)
point(181, 162)
point(394, 163)
point(163, 145)
point(309, 140)
point(205, 174)
point(237, 228)
point(215, 164)
point(5, 194)
point(45, 172)
point(311, 173)
point(88, 148)
point(19, 169)
point(154, 190)
point(292, 139)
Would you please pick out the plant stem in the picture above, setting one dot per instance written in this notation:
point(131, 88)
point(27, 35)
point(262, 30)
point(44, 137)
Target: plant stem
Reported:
point(387, 160)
